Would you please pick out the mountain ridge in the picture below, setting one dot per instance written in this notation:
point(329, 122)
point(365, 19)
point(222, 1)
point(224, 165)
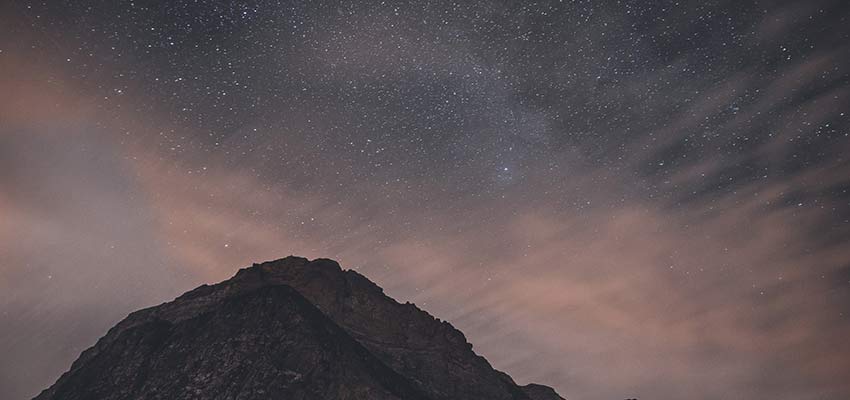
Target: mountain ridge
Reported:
point(398, 351)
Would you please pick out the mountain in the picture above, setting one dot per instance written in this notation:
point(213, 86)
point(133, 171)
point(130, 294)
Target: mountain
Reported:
point(286, 329)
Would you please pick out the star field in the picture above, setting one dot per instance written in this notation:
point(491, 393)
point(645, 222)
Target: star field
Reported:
point(620, 199)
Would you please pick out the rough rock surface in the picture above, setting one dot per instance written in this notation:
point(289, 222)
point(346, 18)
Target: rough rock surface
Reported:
point(288, 329)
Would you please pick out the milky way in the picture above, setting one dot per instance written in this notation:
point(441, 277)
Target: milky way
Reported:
point(618, 199)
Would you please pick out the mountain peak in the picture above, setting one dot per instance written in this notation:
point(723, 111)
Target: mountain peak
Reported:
point(298, 328)
point(290, 266)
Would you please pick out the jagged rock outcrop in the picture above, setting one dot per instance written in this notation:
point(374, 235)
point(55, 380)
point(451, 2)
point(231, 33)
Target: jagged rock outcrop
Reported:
point(286, 329)
point(540, 392)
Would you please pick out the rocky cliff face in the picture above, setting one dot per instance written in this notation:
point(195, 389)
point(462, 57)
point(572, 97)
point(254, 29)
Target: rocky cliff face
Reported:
point(288, 329)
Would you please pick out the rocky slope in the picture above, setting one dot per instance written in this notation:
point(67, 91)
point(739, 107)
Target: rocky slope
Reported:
point(286, 329)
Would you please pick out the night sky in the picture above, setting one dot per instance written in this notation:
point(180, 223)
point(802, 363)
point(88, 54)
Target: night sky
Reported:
point(617, 199)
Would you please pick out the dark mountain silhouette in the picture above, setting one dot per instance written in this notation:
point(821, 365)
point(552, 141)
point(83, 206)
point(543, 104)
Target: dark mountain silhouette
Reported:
point(286, 329)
